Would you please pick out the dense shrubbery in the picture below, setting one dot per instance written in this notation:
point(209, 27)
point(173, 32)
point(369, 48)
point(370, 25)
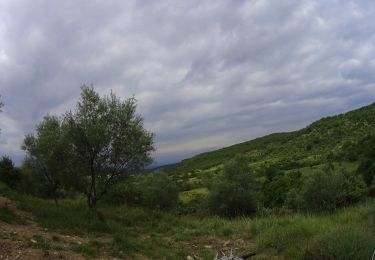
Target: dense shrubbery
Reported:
point(287, 172)
point(8, 173)
point(329, 189)
point(124, 192)
point(367, 170)
point(233, 193)
point(156, 190)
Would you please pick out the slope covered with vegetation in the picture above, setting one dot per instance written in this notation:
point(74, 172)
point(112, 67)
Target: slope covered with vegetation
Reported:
point(307, 194)
point(332, 138)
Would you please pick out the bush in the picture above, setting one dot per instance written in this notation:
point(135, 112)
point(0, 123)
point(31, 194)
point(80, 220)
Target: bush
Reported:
point(329, 189)
point(342, 243)
point(10, 175)
point(125, 192)
point(233, 194)
point(275, 190)
point(158, 191)
point(367, 170)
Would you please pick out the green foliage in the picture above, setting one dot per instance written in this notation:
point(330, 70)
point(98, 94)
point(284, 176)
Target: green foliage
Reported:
point(329, 189)
point(294, 236)
point(275, 188)
point(125, 192)
point(107, 140)
point(158, 191)
point(342, 243)
point(92, 147)
point(46, 154)
point(233, 194)
point(343, 137)
point(135, 232)
point(367, 170)
point(8, 173)
point(7, 216)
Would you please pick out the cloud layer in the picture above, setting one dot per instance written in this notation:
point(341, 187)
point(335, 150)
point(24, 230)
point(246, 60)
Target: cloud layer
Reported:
point(206, 73)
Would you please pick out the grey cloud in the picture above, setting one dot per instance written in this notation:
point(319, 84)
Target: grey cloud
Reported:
point(206, 73)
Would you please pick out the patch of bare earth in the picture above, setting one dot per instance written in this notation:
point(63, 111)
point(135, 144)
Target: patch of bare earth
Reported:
point(236, 246)
point(30, 241)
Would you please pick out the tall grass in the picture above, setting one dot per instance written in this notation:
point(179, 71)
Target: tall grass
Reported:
point(291, 236)
point(135, 232)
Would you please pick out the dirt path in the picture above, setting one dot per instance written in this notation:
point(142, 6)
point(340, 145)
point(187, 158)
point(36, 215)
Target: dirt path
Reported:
point(23, 238)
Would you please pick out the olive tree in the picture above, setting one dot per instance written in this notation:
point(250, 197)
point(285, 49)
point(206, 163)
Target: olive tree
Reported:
point(46, 153)
point(106, 140)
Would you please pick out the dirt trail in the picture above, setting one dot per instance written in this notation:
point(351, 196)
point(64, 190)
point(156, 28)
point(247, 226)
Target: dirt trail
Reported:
point(29, 241)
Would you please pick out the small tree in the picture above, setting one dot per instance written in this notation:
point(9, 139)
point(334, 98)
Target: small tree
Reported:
point(233, 194)
point(46, 152)
point(330, 189)
point(159, 191)
point(8, 173)
point(106, 141)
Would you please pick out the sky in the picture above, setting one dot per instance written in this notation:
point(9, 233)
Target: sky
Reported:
point(206, 74)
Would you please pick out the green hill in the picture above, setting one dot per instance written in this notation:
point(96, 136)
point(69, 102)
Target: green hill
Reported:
point(335, 138)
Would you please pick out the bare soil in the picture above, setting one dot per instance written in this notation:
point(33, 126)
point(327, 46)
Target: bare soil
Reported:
point(30, 241)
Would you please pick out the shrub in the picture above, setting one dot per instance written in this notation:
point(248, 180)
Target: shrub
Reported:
point(329, 189)
point(367, 170)
point(342, 243)
point(8, 173)
point(275, 190)
point(125, 192)
point(158, 191)
point(293, 199)
point(233, 193)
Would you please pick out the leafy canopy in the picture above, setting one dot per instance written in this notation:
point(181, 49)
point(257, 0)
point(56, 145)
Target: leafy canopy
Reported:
point(93, 146)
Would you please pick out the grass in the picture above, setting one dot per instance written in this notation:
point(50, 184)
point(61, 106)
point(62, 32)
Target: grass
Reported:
point(187, 196)
point(136, 232)
point(90, 249)
point(41, 243)
point(130, 231)
point(7, 216)
point(291, 236)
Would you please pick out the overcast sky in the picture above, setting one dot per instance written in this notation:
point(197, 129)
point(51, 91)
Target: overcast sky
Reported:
point(206, 74)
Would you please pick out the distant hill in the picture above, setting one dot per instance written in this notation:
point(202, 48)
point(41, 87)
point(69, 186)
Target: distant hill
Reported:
point(334, 138)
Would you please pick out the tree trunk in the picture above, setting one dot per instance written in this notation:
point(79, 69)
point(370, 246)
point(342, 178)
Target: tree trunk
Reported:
point(55, 199)
point(92, 203)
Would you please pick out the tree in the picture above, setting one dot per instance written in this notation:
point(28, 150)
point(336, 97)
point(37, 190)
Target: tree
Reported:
point(106, 140)
point(45, 153)
point(92, 147)
point(8, 173)
point(329, 189)
point(159, 191)
point(367, 170)
point(234, 194)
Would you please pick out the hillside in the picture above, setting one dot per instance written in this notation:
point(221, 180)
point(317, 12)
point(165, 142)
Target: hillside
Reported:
point(334, 138)
point(307, 194)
